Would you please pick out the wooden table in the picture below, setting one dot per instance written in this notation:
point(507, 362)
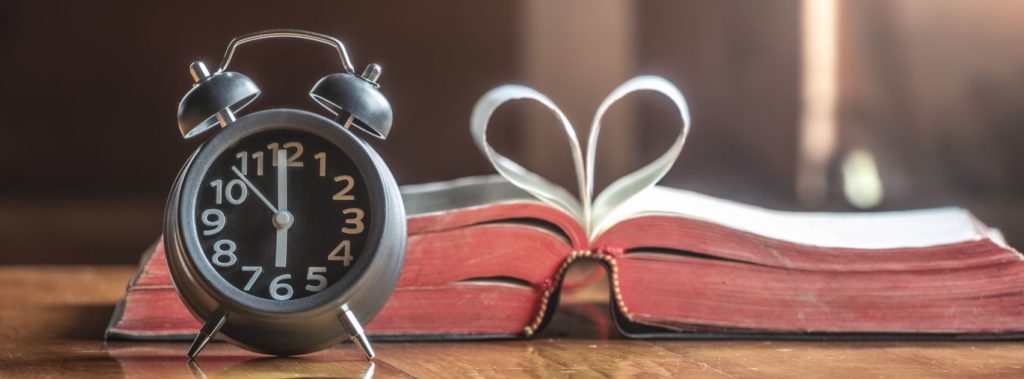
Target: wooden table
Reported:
point(53, 317)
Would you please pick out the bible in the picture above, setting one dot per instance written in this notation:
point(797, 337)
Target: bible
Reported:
point(487, 257)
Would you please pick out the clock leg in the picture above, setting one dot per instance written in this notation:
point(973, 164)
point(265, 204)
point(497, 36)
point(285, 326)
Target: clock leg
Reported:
point(355, 331)
point(207, 332)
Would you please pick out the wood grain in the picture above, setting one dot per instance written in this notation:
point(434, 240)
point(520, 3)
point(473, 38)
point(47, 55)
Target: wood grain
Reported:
point(53, 318)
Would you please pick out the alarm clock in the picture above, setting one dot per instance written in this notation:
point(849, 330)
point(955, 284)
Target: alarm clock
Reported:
point(284, 231)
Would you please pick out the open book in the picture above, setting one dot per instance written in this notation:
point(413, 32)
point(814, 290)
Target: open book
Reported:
point(487, 256)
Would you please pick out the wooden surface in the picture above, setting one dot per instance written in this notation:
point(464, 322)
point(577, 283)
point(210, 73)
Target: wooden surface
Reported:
point(52, 321)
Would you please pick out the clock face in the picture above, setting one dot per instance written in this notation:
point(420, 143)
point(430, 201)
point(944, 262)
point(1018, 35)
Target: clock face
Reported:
point(282, 214)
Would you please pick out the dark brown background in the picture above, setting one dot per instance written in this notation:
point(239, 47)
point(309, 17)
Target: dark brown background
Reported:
point(89, 142)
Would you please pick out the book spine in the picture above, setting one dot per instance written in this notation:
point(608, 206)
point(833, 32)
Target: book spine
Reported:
point(606, 256)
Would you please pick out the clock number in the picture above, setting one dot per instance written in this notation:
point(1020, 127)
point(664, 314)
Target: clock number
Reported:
point(218, 186)
point(235, 191)
point(243, 157)
point(224, 253)
point(349, 184)
point(280, 290)
point(322, 159)
point(345, 248)
point(293, 159)
point(256, 271)
point(315, 274)
point(273, 152)
point(258, 156)
point(213, 218)
point(356, 222)
point(242, 191)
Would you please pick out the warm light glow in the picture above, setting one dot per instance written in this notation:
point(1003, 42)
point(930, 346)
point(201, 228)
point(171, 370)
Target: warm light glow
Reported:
point(819, 93)
point(862, 185)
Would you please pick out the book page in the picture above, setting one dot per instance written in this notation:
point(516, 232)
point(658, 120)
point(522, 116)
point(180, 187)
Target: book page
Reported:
point(515, 173)
point(473, 191)
point(646, 176)
point(874, 230)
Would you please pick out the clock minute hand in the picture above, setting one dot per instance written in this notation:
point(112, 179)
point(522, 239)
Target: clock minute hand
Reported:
point(282, 180)
point(254, 189)
point(282, 219)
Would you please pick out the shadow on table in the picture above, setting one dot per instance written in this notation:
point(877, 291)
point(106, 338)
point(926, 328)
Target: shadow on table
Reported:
point(223, 360)
point(78, 322)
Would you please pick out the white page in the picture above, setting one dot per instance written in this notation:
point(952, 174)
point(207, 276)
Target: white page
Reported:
point(586, 209)
point(468, 192)
point(874, 230)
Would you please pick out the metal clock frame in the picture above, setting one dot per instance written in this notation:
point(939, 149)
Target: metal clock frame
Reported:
point(294, 326)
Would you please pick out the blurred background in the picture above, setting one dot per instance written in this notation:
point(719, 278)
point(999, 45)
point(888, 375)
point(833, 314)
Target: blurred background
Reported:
point(797, 104)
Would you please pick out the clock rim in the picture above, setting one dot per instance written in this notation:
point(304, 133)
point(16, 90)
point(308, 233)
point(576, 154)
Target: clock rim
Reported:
point(268, 120)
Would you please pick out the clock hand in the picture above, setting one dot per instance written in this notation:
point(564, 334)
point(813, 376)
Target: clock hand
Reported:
point(282, 180)
point(253, 189)
point(282, 219)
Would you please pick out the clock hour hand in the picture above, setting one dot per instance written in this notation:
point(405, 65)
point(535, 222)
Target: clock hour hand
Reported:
point(282, 218)
point(253, 189)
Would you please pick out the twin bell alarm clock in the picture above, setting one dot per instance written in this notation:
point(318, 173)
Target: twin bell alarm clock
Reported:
point(284, 231)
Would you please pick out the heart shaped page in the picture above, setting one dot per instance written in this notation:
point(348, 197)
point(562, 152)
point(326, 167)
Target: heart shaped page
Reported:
point(590, 212)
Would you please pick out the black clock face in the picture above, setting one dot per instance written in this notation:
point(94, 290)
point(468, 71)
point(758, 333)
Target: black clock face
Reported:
point(282, 214)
